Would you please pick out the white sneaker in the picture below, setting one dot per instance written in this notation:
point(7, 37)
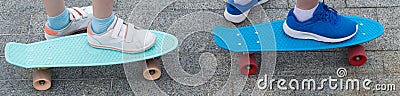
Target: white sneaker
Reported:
point(123, 37)
point(80, 19)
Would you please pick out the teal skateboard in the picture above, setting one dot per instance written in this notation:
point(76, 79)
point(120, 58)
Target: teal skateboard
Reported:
point(74, 51)
point(269, 36)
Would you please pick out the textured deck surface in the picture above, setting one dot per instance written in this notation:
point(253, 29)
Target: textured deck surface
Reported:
point(269, 36)
point(204, 68)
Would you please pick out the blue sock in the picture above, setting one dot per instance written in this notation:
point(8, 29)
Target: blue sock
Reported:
point(100, 25)
point(60, 21)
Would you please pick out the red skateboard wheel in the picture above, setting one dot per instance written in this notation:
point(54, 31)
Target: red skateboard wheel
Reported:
point(357, 56)
point(248, 64)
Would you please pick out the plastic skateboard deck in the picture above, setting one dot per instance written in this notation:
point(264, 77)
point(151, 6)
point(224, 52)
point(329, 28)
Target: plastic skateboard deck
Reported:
point(269, 36)
point(74, 51)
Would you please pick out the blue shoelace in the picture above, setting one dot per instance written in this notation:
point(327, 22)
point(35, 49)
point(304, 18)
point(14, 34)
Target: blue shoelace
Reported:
point(329, 15)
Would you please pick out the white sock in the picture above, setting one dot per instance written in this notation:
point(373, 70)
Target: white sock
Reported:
point(304, 15)
point(242, 2)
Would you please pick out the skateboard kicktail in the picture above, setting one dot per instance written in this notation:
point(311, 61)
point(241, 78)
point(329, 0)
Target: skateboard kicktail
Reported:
point(270, 37)
point(74, 51)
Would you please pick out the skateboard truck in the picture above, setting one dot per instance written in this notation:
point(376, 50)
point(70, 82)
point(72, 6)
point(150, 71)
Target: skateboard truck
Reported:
point(42, 78)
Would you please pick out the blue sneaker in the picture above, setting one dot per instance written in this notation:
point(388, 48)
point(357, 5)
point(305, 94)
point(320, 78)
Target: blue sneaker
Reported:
point(326, 25)
point(237, 13)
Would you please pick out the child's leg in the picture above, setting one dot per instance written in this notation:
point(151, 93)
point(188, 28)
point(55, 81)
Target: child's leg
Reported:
point(306, 4)
point(57, 14)
point(103, 15)
point(304, 9)
point(102, 8)
point(54, 7)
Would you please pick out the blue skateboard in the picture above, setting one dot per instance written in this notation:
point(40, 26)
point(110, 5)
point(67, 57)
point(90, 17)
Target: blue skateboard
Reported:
point(269, 36)
point(74, 51)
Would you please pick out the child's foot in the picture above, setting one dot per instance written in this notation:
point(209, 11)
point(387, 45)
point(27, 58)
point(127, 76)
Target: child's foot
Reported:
point(325, 25)
point(121, 36)
point(75, 19)
point(236, 10)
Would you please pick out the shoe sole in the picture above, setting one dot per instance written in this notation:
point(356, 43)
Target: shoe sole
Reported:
point(241, 17)
point(308, 35)
point(124, 51)
point(48, 37)
point(236, 18)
